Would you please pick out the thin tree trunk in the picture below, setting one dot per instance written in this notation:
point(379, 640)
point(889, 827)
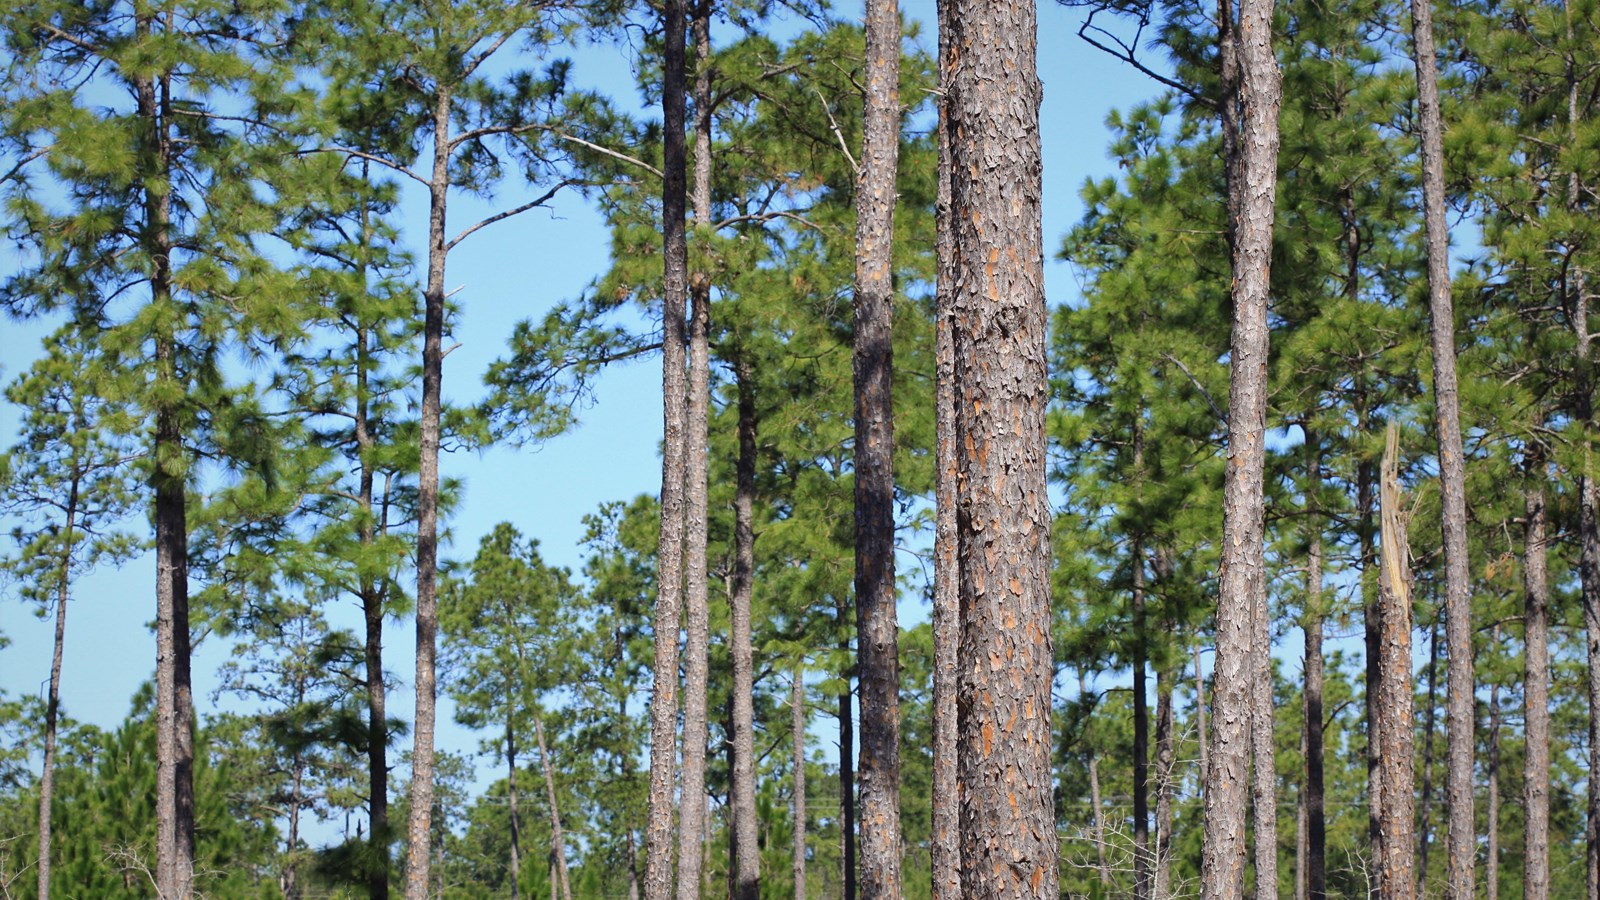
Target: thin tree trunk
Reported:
point(746, 868)
point(1396, 864)
point(1372, 637)
point(1009, 845)
point(1536, 691)
point(847, 762)
point(1141, 710)
point(372, 597)
point(1315, 861)
point(1425, 820)
point(1165, 774)
point(674, 389)
point(558, 844)
point(419, 826)
point(1241, 614)
point(877, 628)
point(1491, 867)
point(511, 810)
point(1462, 840)
point(52, 708)
point(1300, 837)
point(1263, 753)
point(797, 724)
point(944, 851)
point(696, 612)
point(1097, 810)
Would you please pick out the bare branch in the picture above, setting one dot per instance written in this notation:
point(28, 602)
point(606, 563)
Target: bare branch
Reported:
point(609, 152)
point(540, 201)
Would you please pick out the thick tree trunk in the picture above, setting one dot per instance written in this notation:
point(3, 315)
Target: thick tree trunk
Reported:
point(797, 724)
point(1461, 841)
point(1396, 759)
point(746, 868)
point(511, 809)
point(847, 763)
point(944, 851)
point(674, 389)
point(1315, 876)
point(877, 628)
point(52, 707)
point(1252, 185)
point(558, 843)
point(419, 825)
point(1536, 691)
point(696, 611)
point(1009, 845)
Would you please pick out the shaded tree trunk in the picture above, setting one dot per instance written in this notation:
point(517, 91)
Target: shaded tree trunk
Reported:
point(1536, 691)
point(1396, 739)
point(1263, 753)
point(372, 597)
point(511, 809)
point(674, 389)
point(746, 868)
point(847, 764)
point(52, 707)
point(1166, 773)
point(1314, 867)
point(797, 724)
point(1426, 819)
point(1009, 846)
point(1461, 841)
point(1255, 92)
point(944, 851)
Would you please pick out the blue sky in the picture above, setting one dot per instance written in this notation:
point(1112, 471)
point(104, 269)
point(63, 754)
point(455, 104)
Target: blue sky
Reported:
point(511, 271)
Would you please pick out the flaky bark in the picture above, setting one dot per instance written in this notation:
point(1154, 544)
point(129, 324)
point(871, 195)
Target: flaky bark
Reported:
point(696, 609)
point(1009, 847)
point(1396, 739)
point(944, 851)
point(674, 389)
point(746, 868)
point(1252, 184)
point(420, 832)
point(877, 628)
point(1536, 692)
point(1461, 842)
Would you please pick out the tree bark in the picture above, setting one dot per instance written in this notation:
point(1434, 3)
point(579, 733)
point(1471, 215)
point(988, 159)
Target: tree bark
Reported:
point(1461, 841)
point(797, 724)
point(877, 628)
point(1166, 775)
point(674, 389)
point(747, 854)
point(52, 708)
point(1536, 691)
point(1009, 844)
point(558, 844)
point(1263, 753)
point(1252, 184)
point(696, 611)
point(1315, 865)
point(1396, 861)
point(419, 825)
point(372, 597)
point(944, 851)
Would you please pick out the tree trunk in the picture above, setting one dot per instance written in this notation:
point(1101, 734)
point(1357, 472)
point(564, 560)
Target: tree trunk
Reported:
point(52, 708)
point(1097, 810)
point(1462, 841)
point(511, 809)
point(372, 597)
point(1141, 711)
point(1372, 637)
point(558, 843)
point(1263, 753)
point(696, 612)
point(1425, 820)
point(944, 850)
point(797, 724)
point(1252, 184)
point(1009, 845)
point(419, 825)
point(847, 762)
point(1166, 774)
point(877, 628)
point(674, 388)
point(1396, 863)
point(747, 855)
point(1491, 867)
point(1315, 876)
point(1536, 692)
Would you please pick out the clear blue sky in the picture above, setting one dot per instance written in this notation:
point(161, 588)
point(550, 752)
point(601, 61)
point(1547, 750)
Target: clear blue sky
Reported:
point(511, 271)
